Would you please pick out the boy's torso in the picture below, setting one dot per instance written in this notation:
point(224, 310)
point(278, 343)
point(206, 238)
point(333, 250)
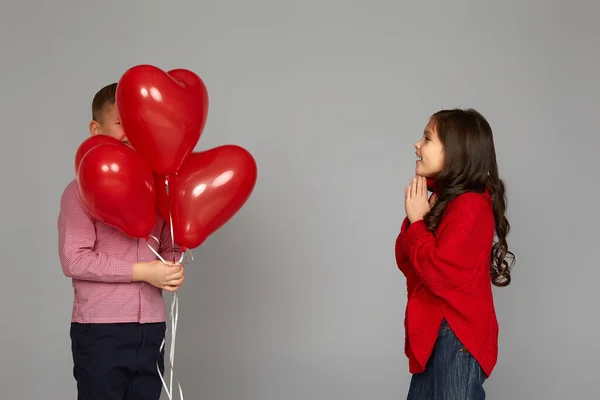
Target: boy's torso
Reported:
point(99, 302)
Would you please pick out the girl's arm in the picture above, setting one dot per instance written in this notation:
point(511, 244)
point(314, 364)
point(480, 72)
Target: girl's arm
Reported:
point(445, 262)
point(402, 261)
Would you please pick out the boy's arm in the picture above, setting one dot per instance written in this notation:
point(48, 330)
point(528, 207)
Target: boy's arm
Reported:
point(76, 239)
point(166, 249)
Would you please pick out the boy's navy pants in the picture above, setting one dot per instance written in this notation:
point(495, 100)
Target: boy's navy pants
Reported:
point(118, 361)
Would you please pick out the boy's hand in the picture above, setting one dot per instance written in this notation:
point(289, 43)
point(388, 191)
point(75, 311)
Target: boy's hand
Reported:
point(164, 276)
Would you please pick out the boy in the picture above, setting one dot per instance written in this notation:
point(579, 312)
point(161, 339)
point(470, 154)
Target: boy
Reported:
point(118, 318)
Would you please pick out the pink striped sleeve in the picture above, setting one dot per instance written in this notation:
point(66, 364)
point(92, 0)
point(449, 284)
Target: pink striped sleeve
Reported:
point(76, 240)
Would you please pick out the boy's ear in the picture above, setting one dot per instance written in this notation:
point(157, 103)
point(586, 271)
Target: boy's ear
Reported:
point(94, 128)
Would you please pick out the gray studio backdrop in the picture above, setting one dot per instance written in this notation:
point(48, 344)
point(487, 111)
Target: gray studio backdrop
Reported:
point(298, 297)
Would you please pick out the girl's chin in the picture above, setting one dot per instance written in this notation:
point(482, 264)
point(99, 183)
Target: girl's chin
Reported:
point(422, 173)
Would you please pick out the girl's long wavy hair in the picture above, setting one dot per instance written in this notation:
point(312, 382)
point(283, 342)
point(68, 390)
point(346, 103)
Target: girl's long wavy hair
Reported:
point(470, 166)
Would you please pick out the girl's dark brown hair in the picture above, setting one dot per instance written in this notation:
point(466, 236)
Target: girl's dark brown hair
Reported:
point(470, 166)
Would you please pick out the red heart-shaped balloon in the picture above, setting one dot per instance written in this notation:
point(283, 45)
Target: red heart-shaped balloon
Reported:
point(89, 144)
point(118, 188)
point(163, 114)
point(206, 192)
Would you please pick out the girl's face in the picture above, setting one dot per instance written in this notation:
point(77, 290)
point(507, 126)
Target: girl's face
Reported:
point(430, 153)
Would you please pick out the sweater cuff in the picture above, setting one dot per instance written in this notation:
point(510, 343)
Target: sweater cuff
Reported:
point(123, 271)
point(405, 225)
point(415, 231)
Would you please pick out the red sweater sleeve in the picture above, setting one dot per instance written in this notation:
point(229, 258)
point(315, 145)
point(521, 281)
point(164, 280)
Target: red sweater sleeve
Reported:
point(76, 239)
point(444, 262)
point(402, 261)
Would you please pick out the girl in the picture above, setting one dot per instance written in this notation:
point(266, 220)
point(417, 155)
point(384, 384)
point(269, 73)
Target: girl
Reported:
point(446, 251)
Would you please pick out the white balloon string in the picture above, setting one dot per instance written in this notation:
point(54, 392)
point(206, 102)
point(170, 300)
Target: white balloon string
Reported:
point(173, 319)
point(170, 216)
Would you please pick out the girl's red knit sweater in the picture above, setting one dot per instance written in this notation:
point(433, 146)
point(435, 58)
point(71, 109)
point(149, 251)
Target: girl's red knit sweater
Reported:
point(448, 276)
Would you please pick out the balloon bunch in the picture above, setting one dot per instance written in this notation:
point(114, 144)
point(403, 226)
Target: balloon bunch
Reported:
point(163, 115)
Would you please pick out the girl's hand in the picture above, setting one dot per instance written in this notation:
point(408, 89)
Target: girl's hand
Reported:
point(416, 202)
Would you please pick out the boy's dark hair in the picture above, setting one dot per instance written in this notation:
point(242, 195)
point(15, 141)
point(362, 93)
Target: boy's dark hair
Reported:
point(104, 97)
point(470, 166)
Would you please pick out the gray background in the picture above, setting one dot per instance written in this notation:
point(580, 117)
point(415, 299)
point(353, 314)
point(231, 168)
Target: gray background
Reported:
point(298, 297)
